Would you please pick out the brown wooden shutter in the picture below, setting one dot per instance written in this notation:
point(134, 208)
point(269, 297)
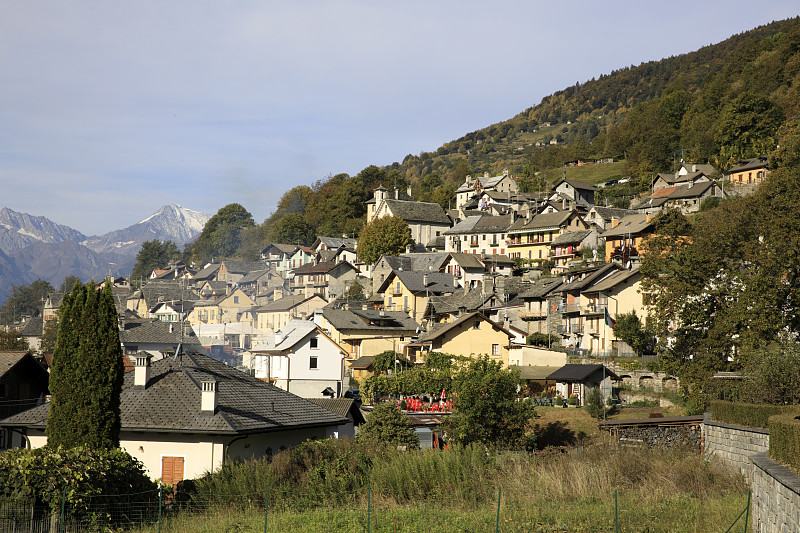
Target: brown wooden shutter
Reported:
point(171, 470)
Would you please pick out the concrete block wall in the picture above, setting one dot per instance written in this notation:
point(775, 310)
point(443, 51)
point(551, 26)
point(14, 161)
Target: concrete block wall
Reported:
point(776, 497)
point(733, 445)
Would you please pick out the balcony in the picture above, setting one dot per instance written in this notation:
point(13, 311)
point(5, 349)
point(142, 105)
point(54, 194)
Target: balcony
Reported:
point(572, 308)
point(592, 309)
point(536, 314)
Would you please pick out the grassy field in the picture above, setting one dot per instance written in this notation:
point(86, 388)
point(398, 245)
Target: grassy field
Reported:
point(590, 488)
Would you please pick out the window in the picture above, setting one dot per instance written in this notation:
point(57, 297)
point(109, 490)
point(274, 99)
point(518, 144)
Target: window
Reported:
point(476, 324)
point(312, 363)
point(314, 342)
point(397, 287)
point(171, 470)
point(405, 302)
point(495, 349)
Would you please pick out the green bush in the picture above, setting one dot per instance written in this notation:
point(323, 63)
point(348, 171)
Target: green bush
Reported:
point(747, 414)
point(48, 474)
point(594, 403)
point(784, 440)
point(386, 425)
point(573, 400)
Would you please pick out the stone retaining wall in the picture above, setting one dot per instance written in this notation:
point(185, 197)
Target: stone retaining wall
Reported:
point(662, 435)
point(776, 497)
point(733, 445)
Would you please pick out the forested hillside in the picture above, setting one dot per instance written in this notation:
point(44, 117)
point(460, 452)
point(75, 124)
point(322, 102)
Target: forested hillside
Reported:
point(718, 104)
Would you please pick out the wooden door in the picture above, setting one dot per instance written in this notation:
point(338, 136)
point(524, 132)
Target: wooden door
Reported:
point(171, 470)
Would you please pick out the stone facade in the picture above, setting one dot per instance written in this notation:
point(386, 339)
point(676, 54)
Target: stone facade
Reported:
point(776, 497)
point(733, 445)
point(662, 435)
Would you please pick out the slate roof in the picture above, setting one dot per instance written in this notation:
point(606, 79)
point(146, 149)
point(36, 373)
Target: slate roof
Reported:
point(363, 362)
point(466, 260)
point(749, 164)
point(335, 242)
point(576, 185)
point(342, 407)
point(345, 319)
point(621, 276)
point(593, 274)
point(285, 303)
point(319, 268)
point(542, 288)
point(165, 291)
point(171, 402)
point(465, 226)
point(485, 182)
point(427, 212)
point(422, 262)
point(253, 276)
point(441, 329)
point(570, 237)
point(32, 328)
point(207, 272)
point(631, 224)
point(470, 300)
point(291, 334)
point(541, 221)
point(8, 360)
point(413, 280)
point(155, 332)
point(607, 213)
point(574, 373)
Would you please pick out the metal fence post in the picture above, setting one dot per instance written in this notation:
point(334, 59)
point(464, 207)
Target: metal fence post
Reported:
point(266, 511)
point(369, 508)
point(63, 502)
point(747, 511)
point(497, 522)
point(160, 488)
point(616, 512)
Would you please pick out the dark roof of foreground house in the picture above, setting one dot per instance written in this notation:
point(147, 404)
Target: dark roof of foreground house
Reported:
point(575, 373)
point(172, 398)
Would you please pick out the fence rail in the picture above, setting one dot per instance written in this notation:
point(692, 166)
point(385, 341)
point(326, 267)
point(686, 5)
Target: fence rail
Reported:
point(368, 510)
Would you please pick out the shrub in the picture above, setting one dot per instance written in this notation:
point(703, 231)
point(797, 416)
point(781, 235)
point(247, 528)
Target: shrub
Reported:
point(594, 403)
point(746, 414)
point(387, 425)
point(47, 474)
point(784, 440)
point(573, 400)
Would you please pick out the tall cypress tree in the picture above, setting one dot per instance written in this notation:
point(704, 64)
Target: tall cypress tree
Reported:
point(86, 378)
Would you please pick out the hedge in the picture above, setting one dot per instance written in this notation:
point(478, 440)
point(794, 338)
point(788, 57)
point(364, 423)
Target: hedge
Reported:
point(747, 414)
point(784, 440)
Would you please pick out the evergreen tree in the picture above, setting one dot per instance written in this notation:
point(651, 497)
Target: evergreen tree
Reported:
point(87, 373)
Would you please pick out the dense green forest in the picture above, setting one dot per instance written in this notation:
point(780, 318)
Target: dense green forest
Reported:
point(717, 105)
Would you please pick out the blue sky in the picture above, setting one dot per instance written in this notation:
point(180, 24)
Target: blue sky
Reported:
point(110, 110)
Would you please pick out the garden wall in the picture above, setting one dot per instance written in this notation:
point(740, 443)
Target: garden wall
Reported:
point(776, 496)
point(733, 445)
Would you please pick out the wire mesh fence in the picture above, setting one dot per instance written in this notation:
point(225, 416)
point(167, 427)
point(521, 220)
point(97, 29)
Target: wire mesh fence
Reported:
point(368, 511)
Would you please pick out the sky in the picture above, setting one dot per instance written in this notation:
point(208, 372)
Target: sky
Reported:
point(111, 109)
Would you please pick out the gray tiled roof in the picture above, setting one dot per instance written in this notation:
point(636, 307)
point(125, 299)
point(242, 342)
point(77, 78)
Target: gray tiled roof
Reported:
point(544, 220)
point(285, 303)
point(630, 225)
point(290, 334)
point(438, 282)
point(33, 327)
point(165, 291)
point(570, 236)
point(470, 300)
point(441, 329)
point(467, 260)
point(344, 319)
point(155, 331)
point(542, 288)
point(573, 373)
point(607, 213)
point(363, 362)
point(335, 242)
point(253, 276)
point(9, 359)
point(171, 402)
point(207, 272)
point(749, 164)
point(576, 185)
point(340, 406)
point(593, 274)
point(418, 211)
point(608, 283)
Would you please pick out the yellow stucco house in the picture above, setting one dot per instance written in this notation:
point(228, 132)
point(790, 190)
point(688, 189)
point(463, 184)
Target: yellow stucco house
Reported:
point(530, 239)
point(408, 291)
point(471, 335)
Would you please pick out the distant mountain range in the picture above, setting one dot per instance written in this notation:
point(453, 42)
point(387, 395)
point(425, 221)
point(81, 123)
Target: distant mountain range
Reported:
point(34, 247)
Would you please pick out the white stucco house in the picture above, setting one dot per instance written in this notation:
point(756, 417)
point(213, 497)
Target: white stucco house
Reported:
point(302, 359)
point(183, 416)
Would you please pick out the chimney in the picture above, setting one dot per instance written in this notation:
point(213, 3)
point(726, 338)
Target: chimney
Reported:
point(409, 190)
point(614, 222)
point(278, 338)
point(648, 218)
point(487, 287)
point(396, 194)
point(208, 399)
point(485, 174)
point(141, 373)
point(425, 280)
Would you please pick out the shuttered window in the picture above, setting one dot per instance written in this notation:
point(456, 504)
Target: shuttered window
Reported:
point(171, 470)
